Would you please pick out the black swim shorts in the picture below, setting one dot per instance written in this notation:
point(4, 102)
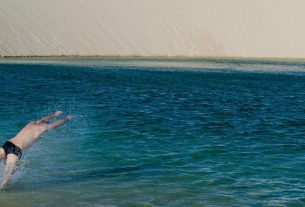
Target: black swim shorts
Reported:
point(10, 148)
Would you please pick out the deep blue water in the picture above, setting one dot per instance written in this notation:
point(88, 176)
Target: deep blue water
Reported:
point(158, 132)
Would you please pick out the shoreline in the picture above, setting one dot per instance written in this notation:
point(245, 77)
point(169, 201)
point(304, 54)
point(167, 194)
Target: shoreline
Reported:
point(245, 58)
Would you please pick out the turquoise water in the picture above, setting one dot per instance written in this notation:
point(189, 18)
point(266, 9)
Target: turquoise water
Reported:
point(155, 132)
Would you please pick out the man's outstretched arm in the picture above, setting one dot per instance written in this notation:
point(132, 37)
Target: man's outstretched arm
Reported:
point(33, 130)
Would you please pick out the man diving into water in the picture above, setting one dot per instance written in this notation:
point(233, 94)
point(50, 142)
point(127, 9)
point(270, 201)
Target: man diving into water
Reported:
point(12, 149)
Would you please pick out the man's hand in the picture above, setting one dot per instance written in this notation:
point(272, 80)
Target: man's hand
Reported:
point(40, 126)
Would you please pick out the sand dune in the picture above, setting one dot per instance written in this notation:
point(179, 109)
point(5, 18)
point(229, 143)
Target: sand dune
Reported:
point(238, 28)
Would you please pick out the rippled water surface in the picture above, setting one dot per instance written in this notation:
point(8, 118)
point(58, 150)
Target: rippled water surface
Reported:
point(154, 132)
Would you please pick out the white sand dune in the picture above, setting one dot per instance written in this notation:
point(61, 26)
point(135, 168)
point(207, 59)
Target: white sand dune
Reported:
point(235, 28)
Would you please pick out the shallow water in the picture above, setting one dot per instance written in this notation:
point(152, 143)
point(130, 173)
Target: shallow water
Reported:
point(154, 132)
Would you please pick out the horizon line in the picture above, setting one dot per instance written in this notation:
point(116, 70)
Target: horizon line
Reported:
point(292, 59)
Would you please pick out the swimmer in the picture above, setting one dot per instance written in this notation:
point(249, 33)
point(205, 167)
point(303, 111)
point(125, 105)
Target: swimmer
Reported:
point(12, 149)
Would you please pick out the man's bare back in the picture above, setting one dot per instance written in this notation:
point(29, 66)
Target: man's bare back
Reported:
point(12, 149)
